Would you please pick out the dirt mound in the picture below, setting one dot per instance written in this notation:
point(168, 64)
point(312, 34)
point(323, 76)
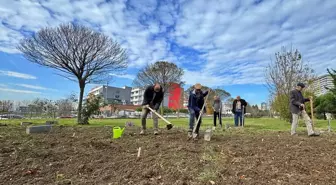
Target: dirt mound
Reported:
point(87, 155)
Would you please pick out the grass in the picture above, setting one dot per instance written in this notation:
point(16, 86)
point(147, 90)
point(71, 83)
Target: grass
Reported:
point(251, 124)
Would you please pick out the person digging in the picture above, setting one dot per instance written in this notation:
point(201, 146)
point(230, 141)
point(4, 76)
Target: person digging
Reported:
point(297, 108)
point(152, 97)
point(195, 104)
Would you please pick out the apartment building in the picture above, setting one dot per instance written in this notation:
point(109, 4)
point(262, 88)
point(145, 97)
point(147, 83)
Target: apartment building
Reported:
point(172, 100)
point(137, 95)
point(113, 95)
point(320, 83)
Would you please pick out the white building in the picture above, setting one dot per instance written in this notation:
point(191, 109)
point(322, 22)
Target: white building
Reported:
point(137, 94)
point(227, 108)
point(263, 106)
point(320, 83)
point(113, 94)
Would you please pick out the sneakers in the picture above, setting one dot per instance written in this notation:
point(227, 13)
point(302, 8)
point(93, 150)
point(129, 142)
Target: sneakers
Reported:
point(295, 134)
point(314, 134)
point(143, 132)
point(310, 135)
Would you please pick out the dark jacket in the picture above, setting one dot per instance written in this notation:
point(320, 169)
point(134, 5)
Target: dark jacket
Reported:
point(243, 103)
point(296, 99)
point(152, 98)
point(193, 103)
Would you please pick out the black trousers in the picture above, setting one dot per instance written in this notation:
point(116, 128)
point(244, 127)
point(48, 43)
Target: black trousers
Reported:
point(217, 114)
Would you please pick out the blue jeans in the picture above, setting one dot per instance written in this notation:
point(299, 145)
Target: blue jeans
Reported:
point(238, 115)
point(192, 116)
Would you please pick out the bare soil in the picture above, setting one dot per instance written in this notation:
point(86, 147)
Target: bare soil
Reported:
point(88, 155)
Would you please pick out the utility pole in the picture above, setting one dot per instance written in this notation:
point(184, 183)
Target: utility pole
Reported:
point(106, 92)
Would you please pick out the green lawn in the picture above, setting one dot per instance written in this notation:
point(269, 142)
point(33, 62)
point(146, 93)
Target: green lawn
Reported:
point(252, 124)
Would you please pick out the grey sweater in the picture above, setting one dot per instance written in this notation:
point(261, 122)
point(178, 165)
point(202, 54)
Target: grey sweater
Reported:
point(217, 105)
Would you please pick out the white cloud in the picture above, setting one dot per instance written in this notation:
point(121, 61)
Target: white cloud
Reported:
point(16, 75)
point(18, 91)
point(127, 76)
point(34, 87)
point(235, 38)
point(238, 48)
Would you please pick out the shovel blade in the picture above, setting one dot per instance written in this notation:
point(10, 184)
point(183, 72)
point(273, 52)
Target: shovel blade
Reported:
point(169, 126)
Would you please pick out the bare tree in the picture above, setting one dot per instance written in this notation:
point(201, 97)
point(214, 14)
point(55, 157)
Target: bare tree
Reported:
point(163, 72)
point(6, 106)
point(286, 71)
point(223, 94)
point(283, 74)
point(65, 106)
point(79, 53)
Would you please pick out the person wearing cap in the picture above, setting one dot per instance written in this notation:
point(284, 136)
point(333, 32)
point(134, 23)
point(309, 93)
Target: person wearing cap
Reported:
point(237, 109)
point(152, 97)
point(297, 108)
point(217, 107)
point(195, 104)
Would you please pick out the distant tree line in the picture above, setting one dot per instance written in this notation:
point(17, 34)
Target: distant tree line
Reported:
point(40, 107)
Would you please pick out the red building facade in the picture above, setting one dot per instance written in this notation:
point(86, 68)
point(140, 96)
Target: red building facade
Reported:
point(175, 98)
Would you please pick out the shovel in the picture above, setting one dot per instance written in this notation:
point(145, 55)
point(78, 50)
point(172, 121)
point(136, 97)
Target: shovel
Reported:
point(243, 117)
point(312, 111)
point(169, 125)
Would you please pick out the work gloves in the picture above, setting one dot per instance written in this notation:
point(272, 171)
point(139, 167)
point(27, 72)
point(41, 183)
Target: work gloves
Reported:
point(196, 109)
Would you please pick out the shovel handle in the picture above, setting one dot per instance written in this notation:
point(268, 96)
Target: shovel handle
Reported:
point(158, 115)
point(312, 111)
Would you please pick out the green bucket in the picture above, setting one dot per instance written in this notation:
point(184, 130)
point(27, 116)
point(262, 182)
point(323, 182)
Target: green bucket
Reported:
point(117, 132)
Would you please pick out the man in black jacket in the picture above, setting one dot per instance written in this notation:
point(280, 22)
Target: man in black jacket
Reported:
point(237, 110)
point(152, 97)
point(195, 104)
point(297, 108)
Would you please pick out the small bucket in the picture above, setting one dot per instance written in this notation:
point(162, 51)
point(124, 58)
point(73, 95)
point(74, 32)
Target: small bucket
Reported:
point(207, 135)
point(117, 132)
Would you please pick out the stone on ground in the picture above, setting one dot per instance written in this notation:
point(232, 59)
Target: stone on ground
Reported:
point(26, 123)
point(51, 122)
point(38, 129)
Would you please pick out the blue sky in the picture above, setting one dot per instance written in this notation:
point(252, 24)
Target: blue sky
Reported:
point(218, 43)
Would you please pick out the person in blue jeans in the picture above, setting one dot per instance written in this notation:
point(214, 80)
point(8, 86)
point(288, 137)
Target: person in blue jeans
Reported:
point(195, 104)
point(237, 110)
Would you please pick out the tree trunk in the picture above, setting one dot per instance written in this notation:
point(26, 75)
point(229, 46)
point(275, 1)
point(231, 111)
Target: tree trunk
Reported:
point(178, 113)
point(162, 104)
point(324, 116)
point(80, 102)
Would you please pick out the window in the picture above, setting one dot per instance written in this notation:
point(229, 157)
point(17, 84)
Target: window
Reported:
point(116, 96)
